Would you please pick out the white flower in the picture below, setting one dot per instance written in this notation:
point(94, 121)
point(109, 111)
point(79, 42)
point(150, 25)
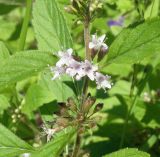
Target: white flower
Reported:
point(89, 69)
point(58, 71)
point(102, 81)
point(98, 43)
point(49, 132)
point(146, 97)
point(26, 155)
point(65, 57)
point(75, 69)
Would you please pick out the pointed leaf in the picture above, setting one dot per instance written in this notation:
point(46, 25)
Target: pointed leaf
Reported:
point(128, 152)
point(56, 146)
point(11, 145)
point(50, 26)
point(135, 44)
point(23, 65)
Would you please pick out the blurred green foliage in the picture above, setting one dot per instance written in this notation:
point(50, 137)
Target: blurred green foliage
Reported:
point(33, 93)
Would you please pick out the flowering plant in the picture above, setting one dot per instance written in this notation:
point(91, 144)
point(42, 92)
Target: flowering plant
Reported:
point(80, 78)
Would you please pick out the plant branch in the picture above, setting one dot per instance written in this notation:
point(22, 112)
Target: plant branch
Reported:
point(86, 80)
point(129, 111)
point(87, 52)
point(25, 24)
point(77, 145)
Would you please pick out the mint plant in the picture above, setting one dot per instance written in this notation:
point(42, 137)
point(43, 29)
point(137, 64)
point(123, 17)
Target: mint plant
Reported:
point(73, 91)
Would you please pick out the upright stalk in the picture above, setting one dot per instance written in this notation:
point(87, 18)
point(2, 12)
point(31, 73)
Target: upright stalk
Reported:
point(77, 145)
point(86, 81)
point(129, 110)
point(87, 52)
point(24, 29)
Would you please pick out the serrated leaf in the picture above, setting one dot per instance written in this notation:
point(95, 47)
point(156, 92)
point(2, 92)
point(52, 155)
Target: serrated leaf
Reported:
point(61, 89)
point(4, 104)
point(36, 96)
point(12, 2)
point(23, 65)
point(128, 152)
point(4, 53)
point(11, 145)
point(50, 26)
point(56, 146)
point(135, 43)
point(152, 10)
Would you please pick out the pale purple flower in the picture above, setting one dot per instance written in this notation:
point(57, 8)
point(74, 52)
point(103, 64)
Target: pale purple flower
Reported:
point(65, 57)
point(58, 71)
point(102, 81)
point(98, 43)
point(89, 69)
point(119, 22)
point(75, 69)
point(49, 132)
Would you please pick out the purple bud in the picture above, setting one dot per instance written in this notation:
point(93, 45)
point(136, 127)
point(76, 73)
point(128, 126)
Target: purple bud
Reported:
point(119, 22)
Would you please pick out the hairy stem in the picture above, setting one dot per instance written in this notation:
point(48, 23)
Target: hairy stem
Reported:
point(87, 53)
point(24, 29)
point(77, 146)
point(86, 81)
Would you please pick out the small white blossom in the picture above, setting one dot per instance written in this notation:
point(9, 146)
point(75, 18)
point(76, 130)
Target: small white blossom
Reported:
point(49, 132)
point(146, 97)
point(75, 69)
point(68, 65)
point(89, 69)
point(102, 81)
point(98, 43)
point(65, 57)
point(26, 155)
point(58, 71)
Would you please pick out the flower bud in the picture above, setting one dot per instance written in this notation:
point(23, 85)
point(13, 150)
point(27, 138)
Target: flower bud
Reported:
point(63, 111)
point(98, 107)
point(71, 104)
point(103, 51)
point(16, 110)
point(70, 9)
point(62, 122)
point(88, 104)
point(158, 93)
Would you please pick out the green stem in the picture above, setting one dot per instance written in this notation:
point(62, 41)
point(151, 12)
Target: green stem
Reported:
point(129, 111)
point(77, 146)
point(87, 53)
point(25, 24)
point(86, 81)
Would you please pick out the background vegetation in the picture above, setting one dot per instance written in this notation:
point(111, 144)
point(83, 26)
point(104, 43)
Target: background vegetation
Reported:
point(131, 113)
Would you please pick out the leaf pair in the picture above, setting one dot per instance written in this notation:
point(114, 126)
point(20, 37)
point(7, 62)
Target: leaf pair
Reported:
point(11, 145)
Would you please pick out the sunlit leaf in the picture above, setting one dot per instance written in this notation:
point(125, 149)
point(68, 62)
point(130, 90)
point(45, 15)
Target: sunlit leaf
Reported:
point(50, 26)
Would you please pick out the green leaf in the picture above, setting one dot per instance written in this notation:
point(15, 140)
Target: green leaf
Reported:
point(128, 152)
point(47, 90)
point(56, 146)
point(23, 65)
point(50, 26)
point(12, 2)
point(4, 104)
point(61, 89)
point(11, 145)
point(4, 53)
point(135, 44)
point(7, 28)
point(152, 10)
point(36, 96)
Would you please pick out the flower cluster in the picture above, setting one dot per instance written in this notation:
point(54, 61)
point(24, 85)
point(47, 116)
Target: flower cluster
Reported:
point(78, 69)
